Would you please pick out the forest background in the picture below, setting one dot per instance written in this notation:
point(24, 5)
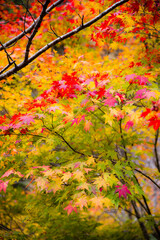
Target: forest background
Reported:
point(79, 119)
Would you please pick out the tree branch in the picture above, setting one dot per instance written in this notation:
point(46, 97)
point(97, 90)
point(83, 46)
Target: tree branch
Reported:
point(37, 26)
point(148, 177)
point(155, 150)
point(74, 150)
point(29, 29)
point(60, 39)
point(138, 216)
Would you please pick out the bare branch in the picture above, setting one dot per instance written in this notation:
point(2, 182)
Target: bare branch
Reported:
point(60, 39)
point(27, 11)
point(37, 26)
point(54, 31)
point(155, 150)
point(74, 150)
point(29, 29)
point(10, 60)
point(40, 2)
point(145, 175)
point(6, 67)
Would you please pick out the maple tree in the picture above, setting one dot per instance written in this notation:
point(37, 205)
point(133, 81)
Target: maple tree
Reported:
point(80, 125)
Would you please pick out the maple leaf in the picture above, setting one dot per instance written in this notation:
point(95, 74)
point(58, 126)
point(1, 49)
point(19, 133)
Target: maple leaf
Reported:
point(91, 108)
point(70, 209)
point(41, 183)
point(66, 176)
point(75, 120)
point(141, 93)
point(140, 80)
point(7, 173)
point(149, 94)
point(77, 164)
point(57, 184)
point(111, 101)
point(155, 122)
point(101, 92)
point(3, 185)
point(131, 65)
point(97, 202)
point(122, 190)
point(2, 119)
point(100, 182)
point(87, 170)
point(144, 114)
point(120, 97)
point(45, 167)
point(87, 125)
point(82, 202)
point(27, 119)
point(15, 117)
point(78, 119)
point(78, 175)
point(129, 124)
point(90, 160)
point(24, 130)
point(19, 174)
point(84, 185)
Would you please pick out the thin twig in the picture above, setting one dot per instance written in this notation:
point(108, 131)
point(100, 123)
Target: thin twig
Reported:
point(54, 31)
point(10, 60)
point(37, 26)
point(147, 177)
point(74, 150)
point(155, 150)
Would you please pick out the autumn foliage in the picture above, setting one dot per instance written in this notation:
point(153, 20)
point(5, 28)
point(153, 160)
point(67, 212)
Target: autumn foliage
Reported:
point(79, 124)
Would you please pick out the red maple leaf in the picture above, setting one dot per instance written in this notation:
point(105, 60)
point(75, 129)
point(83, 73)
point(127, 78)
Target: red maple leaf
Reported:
point(2, 119)
point(15, 117)
point(110, 101)
point(122, 190)
point(144, 114)
point(24, 130)
point(129, 124)
point(70, 208)
point(155, 122)
point(101, 92)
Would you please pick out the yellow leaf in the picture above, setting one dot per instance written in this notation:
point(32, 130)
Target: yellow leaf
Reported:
point(108, 119)
point(100, 182)
point(82, 202)
point(78, 175)
point(84, 186)
point(97, 202)
point(66, 176)
point(107, 202)
point(87, 125)
point(90, 161)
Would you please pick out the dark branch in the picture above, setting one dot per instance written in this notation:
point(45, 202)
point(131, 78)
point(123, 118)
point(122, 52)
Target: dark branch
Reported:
point(6, 67)
point(29, 29)
point(10, 60)
point(145, 175)
point(54, 31)
point(155, 150)
point(37, 26)
point(74, 150)
point(60, 39)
